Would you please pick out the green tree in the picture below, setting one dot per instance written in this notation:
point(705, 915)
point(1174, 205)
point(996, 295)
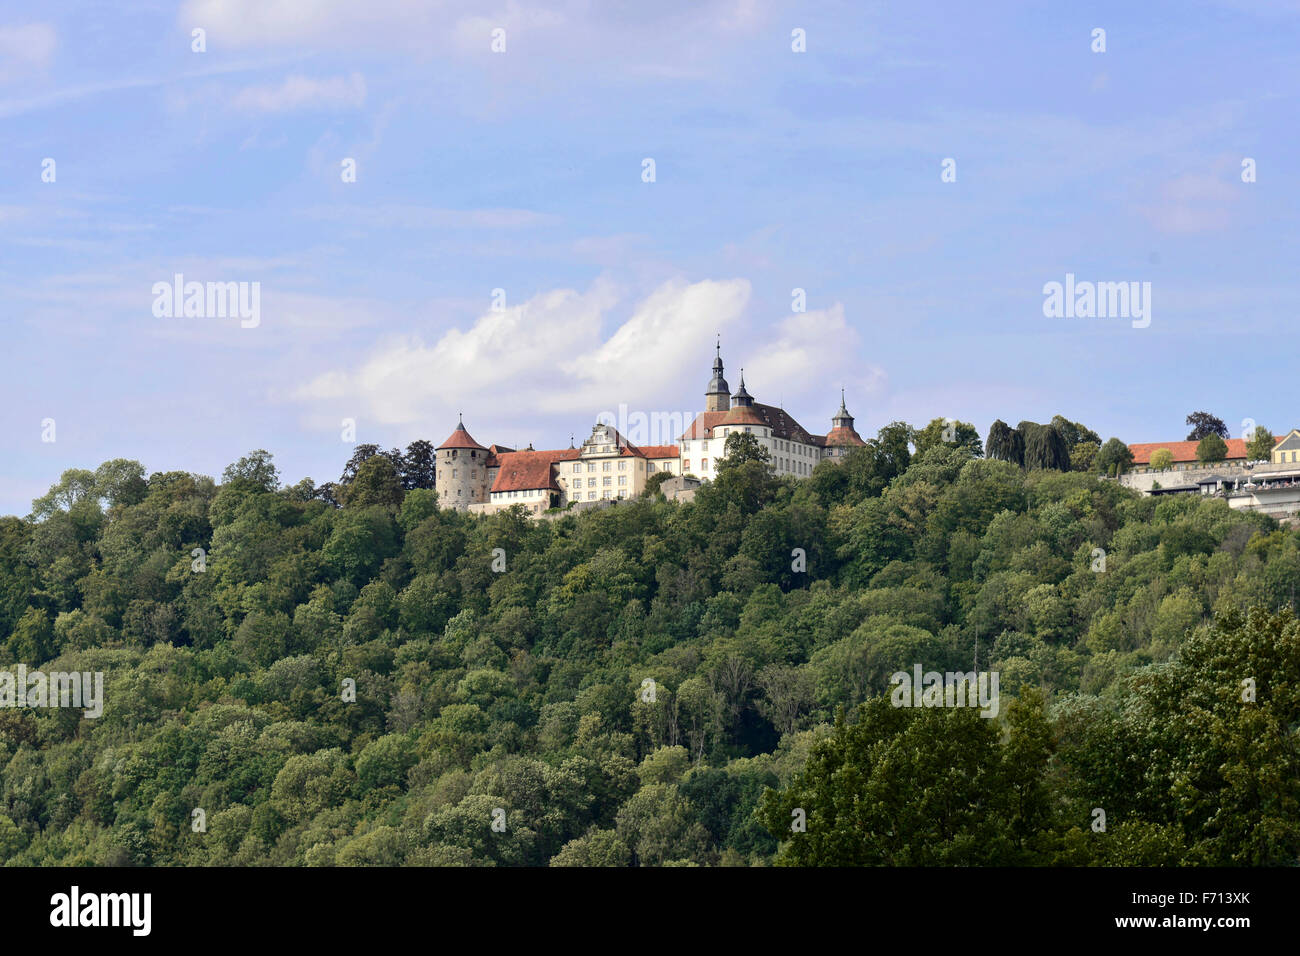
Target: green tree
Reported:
point(1204, 424)
point(948, 432)
point(1260, 444)
point(121, 482)
point(1162, 458)
point(653, 483)
point(924, 787)
point(1074, 433)
point(360, 455)
point(376, 483)
point(418, 465)
point(1045, 447)
point(256, 471)
point(892, 452)
point(1005, 443)
point(1211, 448)
point(1083, 456)
point(74, 485)
point(744, 473)
point(1201, 748)
point(1114, 459)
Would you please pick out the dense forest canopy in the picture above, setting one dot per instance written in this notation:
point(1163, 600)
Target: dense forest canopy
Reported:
point(655, 683)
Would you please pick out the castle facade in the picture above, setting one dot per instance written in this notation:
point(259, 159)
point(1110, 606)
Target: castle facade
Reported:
point(470, 477)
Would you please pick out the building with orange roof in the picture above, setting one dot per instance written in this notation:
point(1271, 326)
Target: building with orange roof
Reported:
point(793, 449)
point(608, 466)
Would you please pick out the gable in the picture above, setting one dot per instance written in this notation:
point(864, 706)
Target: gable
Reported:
point(1290, 443)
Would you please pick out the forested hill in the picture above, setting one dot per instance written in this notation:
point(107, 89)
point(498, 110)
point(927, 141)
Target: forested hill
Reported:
point(653, 683)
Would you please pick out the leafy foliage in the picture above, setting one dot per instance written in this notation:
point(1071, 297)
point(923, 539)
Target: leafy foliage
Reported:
point(1259, 446)
point(655, 683)
point(1204, 424)
point(1211, 448)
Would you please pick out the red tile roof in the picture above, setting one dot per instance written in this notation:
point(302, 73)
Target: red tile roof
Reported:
point(842, 437)
point(703, 425)
point(661, 451)
point(782, 425)
point(743, 415)
point(530, 470)
point(494, 451)
point(1185, 451)
point(460, 438)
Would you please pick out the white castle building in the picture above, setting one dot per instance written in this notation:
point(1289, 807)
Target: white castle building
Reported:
point(608, 466)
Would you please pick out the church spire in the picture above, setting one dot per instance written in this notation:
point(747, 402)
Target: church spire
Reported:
point(717, 398)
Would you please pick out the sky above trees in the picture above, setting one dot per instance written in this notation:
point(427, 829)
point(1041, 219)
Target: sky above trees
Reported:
point(522, 171)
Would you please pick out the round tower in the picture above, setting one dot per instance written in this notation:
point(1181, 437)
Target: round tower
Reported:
point(843, 437)
point(718, 396)
point(461, 472)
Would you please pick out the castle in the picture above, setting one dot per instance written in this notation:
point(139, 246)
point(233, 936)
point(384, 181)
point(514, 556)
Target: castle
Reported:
point(470, 477)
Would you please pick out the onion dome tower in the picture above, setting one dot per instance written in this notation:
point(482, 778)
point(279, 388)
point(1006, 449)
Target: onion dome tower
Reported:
point(718, 396)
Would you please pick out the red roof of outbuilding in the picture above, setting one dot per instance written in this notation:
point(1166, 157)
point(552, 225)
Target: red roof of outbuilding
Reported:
point(1185, 451)
point(530, 470)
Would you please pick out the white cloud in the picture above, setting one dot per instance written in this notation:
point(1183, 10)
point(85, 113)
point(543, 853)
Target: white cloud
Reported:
point(545, 364)
point(303, 92)
point(26, 48)
point(546, 356)
point(812, 355)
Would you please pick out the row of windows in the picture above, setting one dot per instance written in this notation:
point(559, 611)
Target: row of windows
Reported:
point(604, 466)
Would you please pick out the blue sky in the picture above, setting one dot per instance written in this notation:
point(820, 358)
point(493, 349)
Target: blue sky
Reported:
point(522, 171)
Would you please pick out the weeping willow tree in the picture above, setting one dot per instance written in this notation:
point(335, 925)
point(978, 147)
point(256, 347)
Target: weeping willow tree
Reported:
point(1045, 446)
point(1005, 443)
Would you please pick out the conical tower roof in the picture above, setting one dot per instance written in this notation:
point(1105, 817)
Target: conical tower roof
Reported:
point(742, 397)
point(843, 434)
point(842, 417)
point(460, 438)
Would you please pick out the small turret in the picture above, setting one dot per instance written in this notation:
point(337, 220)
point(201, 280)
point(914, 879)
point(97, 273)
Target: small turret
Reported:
point(718, 396)
point(742, 398)
point(842, 438)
